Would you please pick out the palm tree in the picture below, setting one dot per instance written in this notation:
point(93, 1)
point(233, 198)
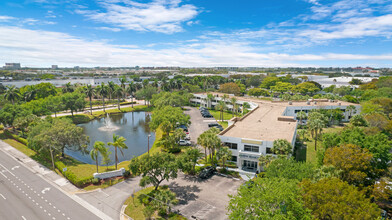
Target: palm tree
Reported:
point(301, 115)
point(68, 87)
point(131, 89)
point(102, 91)
point(11, 94)
point(209, 99)
point(265, 160)
point(221, 106)
point(224, 154)
point(118, 92)
point(111, 87)
point(315, 125)
point(351, 109)
point(233, 102)
point(89, 91)
point(245, 105)
point(30, 93)
point(123, 80)
point(282, 147)
point(98, 148)
point(118, 142)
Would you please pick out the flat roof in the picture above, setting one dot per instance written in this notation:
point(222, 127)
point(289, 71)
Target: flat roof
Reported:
point(263, 124)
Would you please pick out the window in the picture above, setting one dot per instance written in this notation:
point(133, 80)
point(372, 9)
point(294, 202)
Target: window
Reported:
point(234, 158)
point(269, 151)
point(232, 146)
point(251, 148)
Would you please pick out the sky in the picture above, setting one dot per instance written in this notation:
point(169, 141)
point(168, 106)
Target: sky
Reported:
point(196, 33)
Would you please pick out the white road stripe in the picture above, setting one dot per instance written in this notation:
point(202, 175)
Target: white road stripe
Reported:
point(23, 217)
point(7, 170)
point(2, 196)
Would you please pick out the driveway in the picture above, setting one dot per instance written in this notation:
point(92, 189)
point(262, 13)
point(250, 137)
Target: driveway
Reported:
point(198, 123)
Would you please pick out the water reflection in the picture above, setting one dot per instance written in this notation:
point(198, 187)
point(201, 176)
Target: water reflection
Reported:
point(133, 126)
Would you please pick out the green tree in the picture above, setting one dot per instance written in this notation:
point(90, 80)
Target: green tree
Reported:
point(258, 92)
point(316, 123)
point(188, 160)
point(223, 154)
point(11, 94)
point(358, 120)
point(118, 143)
point(282, 147)
point(268, 198)
point(54, 104)
point(209, 140)
point(355, 170)
point(110, 89)
point(131, 89)
point(119, 93)
point(306, 88)
point(301, 115)
point(68, 87)
point(10, 112)
point(90, 91)
point(23, 122)
point(170, 117)
point(281, 87)
point(331, 198)
point(74, 102)
point(102, 91)
point(221, 106)
point(98, 148)
point(233, 102)
point(230, 88)
point(269, 81)
point(154, 168)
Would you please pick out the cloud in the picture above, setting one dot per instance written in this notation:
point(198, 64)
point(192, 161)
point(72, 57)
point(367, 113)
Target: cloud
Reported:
point(4, 18)
point(42, 48)
point(108, 29)
point(157, 16)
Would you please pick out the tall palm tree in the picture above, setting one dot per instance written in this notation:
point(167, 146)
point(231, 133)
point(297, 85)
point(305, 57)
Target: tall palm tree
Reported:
point(123, 80)
point(111, 87)
point(351, 109)
point(118, 92)
point(89, 91)
point(245, 105)
point(209, 99)
point(118, 142)
point(223, 154)
point(221, 106)
point(11, 94)
point(98, 148)
point(233, 102)
point(102, 91)
point(131, 89)
point(315, 125)
point(301, 115)
point(30, 93)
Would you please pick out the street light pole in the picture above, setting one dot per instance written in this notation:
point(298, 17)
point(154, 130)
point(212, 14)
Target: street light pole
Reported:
point(148, 144)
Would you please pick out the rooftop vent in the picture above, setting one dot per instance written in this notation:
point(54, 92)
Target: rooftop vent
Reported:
point(290, 103)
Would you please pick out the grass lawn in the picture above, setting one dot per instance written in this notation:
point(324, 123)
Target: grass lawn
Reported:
point(104, 185)
point(135, 207)
point(224, 124)
point(311, 153)
point(226, 115)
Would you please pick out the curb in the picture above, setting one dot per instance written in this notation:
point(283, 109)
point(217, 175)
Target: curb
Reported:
point(124, 216)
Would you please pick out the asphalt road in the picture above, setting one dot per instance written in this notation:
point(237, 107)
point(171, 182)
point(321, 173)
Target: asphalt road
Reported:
point(26, 196)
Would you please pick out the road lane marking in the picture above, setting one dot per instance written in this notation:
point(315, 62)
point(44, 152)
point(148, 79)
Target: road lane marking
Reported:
point(44, 190)
point(2, 196)
point(15, 167)
point(23, 217)
point(7, 170)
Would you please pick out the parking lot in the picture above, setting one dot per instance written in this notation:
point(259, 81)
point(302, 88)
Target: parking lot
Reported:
point(204, 199)
point(198, 123)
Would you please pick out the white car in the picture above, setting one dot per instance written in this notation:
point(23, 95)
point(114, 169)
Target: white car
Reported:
point(184, 143)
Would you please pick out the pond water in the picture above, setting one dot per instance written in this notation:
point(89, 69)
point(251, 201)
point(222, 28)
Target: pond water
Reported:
point(133, 126)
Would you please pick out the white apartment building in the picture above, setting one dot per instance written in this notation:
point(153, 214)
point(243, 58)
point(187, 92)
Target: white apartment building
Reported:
point(252, 135)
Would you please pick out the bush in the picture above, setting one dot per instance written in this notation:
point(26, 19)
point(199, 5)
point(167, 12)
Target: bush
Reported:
point(127, 173)
point(1, 127)
point(79, 182)
point(16, 137)
point(95, 181)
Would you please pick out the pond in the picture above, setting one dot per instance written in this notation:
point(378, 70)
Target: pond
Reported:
point(133, 126)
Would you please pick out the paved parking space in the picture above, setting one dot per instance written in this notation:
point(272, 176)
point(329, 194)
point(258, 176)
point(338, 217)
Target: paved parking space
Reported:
point(206, 199)
point(198, 123)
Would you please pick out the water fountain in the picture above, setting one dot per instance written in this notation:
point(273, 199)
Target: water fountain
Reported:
point(108, 125)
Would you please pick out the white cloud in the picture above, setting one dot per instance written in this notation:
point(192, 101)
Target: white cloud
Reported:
point(108, 29)
point(4, 18)
point(42, 48)
point(158, 15)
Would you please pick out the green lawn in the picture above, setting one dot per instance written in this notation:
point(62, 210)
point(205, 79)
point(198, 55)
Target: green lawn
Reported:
point(224, 124)
point(226, 115)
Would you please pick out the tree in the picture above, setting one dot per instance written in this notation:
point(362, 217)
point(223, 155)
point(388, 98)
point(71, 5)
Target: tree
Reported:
point(119, 93)
point(221, 106)
point(23, 122)
point(188, 160)
point(110, 89)
point(29, 93)
point(331, 198)
point(288, 168)
point(10, 112)
point(268, 198)
point(358, 120)
point(210, 97)
point(281, 87)
point(98, 148)
point(230, 88)
point(11, 94)
point(209, 140)
point(131, 89)
point(54, 104)
point(90, 91)
point(106, 158)
point(282, 147)
point(102, 91)
point(175, 99)
point(306, 88)
point(154, 168)
point(146, 93)
point(223, 154)
point(258, 92)
point(269, 81)
point(265, 160)
point(355, 163)
point(301, 115)
point(68, 87)
point(233, 102)
point(74, 102)
point(351, 109)
point(316, 123)
point(170, 117)
point(118, 143)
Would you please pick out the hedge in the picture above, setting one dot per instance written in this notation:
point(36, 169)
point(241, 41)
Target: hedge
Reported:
point(79, 182)
point(16, 137)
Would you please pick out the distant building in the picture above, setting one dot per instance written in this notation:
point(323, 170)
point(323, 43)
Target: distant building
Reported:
point(12, 66)
point(55, 67)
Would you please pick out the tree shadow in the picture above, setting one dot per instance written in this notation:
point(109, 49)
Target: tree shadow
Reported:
point(184, 194)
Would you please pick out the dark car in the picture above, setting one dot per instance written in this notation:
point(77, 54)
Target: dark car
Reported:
point(208, 116)
point(207, 172)
point(210, 125)
point(183, 127)
point(202, 108)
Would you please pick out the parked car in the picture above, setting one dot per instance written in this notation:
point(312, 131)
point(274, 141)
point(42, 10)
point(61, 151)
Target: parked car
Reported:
point(187, 137)
point(183, 127)
point(184, 143)
point(208, 116)
point(210, 125)
point(207, 172)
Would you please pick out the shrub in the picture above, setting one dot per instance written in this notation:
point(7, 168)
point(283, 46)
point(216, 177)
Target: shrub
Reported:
point(79, 182)
point(127, 173)
point(1, 127)
point(95, 181)
point(16, 137)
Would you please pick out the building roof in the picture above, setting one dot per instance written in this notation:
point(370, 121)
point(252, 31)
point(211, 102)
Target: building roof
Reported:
point(263, 124)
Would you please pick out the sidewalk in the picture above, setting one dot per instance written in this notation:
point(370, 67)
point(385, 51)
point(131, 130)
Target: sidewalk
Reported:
point(51, 177)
